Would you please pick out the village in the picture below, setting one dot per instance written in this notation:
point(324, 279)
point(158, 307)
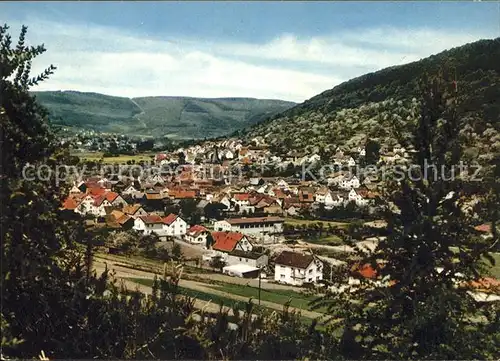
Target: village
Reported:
point(279, 229)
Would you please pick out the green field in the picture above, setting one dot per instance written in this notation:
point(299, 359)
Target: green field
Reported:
point(228, 302)
point(330, 240)
point(297, 300)
point(97, 156)
point(495, 270)
point(204, 296)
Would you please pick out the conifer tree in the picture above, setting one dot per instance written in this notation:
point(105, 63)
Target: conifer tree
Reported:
point(420, 305)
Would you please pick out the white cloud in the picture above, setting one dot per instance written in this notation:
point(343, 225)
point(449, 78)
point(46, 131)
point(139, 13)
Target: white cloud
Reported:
point(112, 61)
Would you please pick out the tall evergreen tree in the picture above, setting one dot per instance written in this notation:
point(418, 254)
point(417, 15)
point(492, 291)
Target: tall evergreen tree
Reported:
point(51, 302)
point(420, 305)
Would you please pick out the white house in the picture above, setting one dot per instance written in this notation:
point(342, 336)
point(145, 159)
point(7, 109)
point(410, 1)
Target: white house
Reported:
point(130, 190)
point(116, 200)
point(357, 198)
point(75, 190)
point(86, 205)
point(349, 182)
point(320, 195)
point(297, 268)
point(253, 259)
point(197, 235)
point(314, 158)
point(329, 201)
point(282, 184)
point(149, 224)
point(223, 199)
point(94, 206)
point(174, 225)
point(241, 199)
point(254, 225)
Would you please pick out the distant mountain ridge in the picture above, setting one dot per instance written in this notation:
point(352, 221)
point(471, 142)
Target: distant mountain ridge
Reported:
point(173, 116)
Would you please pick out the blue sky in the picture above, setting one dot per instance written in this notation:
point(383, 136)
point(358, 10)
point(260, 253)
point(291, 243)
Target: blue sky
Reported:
point(286, 50)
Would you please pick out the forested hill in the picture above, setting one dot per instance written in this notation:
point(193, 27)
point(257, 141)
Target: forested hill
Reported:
point(363, 107)
point(177, 117)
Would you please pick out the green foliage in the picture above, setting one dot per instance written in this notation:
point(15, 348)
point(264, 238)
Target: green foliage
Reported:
point(177, 117)
point(372, 149)
point(52, 302)
point(176, 252)
point(421, 307)
point(367, 107)
point(217, 263)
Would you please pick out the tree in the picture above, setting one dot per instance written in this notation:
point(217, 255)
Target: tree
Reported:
point(372, 149)
point(176, 252)
point(163, 254)
point(147, 244)
point(210, 241)
point(217, 263)
point(41, 263)
point(49, 301)
point(146, 145)
point(124, 241)
point(419, 310)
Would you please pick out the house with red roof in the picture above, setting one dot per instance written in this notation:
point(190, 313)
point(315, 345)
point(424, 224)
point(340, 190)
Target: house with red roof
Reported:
point(72, 201)
point(174, 225)
point(134, 210)
point(94, 205)
point(150, 224)
point(236, 249)
point(484, 228)
point(183, 194)
point(226, 242)
point(241, 199)
point(116, 200)
point(118, 219)
point(197, 235)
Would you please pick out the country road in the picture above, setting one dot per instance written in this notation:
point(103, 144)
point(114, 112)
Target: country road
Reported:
point(124, 274)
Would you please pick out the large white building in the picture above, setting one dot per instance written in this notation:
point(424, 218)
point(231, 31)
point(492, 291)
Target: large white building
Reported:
point(171, 225)
point(253, 225)
point(297, 268)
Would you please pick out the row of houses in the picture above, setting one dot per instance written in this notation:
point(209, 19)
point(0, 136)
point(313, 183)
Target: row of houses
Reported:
point(238, 252)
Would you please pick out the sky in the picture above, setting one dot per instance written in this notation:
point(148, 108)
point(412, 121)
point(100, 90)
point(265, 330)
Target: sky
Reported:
point(274, 50)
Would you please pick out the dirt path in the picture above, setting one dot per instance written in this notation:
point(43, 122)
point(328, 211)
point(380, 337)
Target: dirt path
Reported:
point(124, 273)
point(250, 282)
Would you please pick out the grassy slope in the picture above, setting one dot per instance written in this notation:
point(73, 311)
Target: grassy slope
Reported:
point(179, 117)
point(227, 301)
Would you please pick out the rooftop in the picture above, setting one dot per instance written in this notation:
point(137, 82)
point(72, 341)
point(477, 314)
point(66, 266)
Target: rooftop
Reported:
point(226, 241)
point(294, 259)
